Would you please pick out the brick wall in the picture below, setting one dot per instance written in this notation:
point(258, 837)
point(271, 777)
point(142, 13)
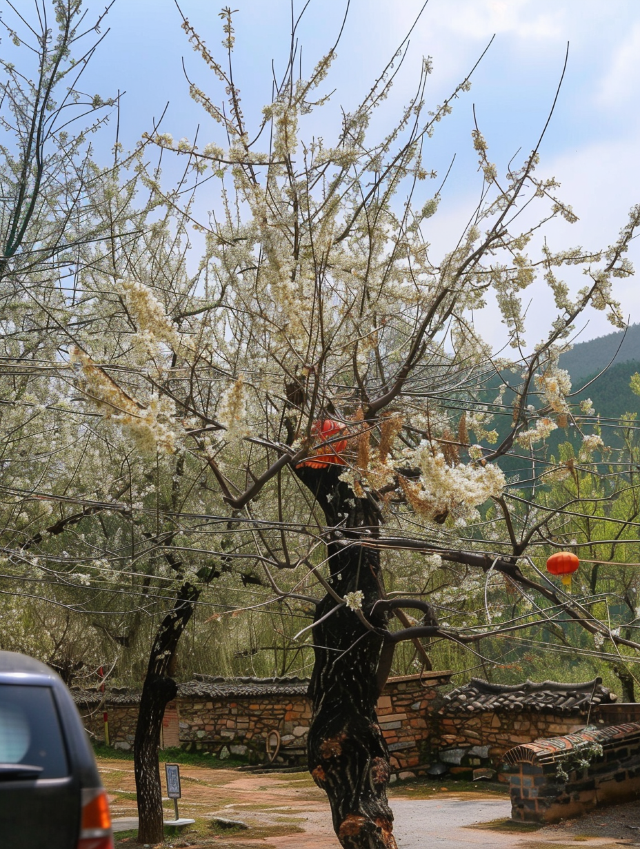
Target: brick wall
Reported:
point(567, 776)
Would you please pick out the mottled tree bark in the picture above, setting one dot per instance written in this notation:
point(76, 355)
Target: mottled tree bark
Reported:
point(157, 691)
point(627, 681)
point(348, 756)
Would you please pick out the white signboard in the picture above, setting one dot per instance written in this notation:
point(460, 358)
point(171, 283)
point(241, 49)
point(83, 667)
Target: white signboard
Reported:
point(173, 781)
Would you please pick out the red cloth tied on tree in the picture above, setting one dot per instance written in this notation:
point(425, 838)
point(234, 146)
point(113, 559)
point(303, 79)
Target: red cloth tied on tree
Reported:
point(330, 452)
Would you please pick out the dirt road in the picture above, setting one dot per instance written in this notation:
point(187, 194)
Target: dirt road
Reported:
point(287, 811)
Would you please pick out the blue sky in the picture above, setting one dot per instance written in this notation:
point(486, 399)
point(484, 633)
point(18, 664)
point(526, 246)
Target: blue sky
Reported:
point(591, 147)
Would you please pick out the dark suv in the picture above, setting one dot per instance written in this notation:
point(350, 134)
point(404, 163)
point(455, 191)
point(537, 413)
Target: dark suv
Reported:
point(51, 796)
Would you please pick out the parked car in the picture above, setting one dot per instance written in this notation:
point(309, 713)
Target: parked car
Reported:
point(51, 796)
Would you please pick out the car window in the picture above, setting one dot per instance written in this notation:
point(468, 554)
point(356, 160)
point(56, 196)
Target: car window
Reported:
point(30, 731)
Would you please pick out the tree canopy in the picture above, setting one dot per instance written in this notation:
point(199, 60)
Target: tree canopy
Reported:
point(256, 389)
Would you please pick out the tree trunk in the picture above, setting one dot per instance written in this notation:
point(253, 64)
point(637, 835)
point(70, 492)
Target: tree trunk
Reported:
point(157, 691)
point(348, 756)
point(626, 679)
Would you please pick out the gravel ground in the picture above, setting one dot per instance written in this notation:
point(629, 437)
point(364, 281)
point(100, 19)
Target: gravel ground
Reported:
point(619, 822)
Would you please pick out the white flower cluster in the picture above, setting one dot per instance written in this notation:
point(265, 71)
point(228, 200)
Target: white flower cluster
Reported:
point(590, 443)
point(554, 384)
point(586, 407)
point(458, 489)
point(601, 291)
point(232, 412)
point(477, 421)
point(153, 427)
point(449, 594)
point(432, 562)
point(354, 600)
point(150, 316)
point(544, 426)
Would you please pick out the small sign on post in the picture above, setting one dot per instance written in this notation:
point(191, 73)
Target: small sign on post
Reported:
point(173, 784)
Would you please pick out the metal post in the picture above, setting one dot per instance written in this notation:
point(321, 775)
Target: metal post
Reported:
point(175, 805)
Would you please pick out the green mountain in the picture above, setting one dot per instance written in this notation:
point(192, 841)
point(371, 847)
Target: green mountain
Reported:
point(610, 392)
point(588, 358)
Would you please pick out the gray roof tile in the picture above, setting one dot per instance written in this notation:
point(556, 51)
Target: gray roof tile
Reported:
point(204, 687)
point(478, 696)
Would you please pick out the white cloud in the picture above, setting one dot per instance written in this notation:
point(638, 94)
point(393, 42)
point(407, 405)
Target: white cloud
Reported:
point(623, 79)
point(478, 19)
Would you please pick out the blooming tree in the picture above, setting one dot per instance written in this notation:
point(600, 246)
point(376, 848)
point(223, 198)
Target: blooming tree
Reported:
point(318, 395)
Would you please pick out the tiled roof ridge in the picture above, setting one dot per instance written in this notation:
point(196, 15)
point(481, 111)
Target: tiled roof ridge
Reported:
point(552, 749)
point(479, 695)
point(533, 686)
point(221, 679)
point(200, 687)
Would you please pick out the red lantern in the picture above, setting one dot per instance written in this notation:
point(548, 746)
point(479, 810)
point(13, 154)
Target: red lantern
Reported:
point(323, 455)
point(563, 563)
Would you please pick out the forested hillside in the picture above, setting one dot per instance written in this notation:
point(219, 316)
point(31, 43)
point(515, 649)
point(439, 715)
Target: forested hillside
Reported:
point(588, 358)
point(611, 393)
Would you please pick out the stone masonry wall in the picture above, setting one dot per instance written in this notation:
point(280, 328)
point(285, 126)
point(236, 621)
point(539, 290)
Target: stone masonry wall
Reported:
point(482, 739)
point(240, 725)
point(412, 715)
point(404, 709)
point(122, 724)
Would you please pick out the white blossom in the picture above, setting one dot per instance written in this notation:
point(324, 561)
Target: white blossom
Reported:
point(554, 383)
point(232, 411)
point(152, 425)
point(590, 442)
point(354, 600)
point(544, 426)
point(443, 487)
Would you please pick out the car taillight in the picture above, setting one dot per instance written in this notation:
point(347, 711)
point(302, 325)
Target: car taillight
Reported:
point(95, 826)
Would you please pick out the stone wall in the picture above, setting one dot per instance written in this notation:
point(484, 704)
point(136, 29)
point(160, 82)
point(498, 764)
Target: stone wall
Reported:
point(478, 722)
point(481, 740)
point(122, 724)
point(617, 714)
point(404, 710)
point(240, 726)
point(245, 725)
point(469, 730)
point(568, 776)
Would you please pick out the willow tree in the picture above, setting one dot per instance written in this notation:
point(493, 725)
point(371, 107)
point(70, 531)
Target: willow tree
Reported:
point(326, 374)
